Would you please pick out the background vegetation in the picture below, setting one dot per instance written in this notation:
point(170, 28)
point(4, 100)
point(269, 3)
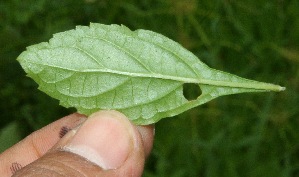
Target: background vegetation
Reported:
point(240, 135)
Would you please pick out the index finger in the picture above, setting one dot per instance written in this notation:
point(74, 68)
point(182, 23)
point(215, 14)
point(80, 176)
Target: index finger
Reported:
point(37, 144)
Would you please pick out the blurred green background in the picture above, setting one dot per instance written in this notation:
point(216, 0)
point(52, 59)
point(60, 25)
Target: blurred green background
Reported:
point(240, 135)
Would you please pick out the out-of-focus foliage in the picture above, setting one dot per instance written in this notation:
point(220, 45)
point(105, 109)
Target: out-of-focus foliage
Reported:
point(239, 135)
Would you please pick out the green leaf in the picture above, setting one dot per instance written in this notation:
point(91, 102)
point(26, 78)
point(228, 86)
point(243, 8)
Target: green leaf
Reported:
point(139, 73)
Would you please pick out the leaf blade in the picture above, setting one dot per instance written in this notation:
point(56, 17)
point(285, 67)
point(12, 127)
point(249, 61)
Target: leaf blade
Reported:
point(139, 73)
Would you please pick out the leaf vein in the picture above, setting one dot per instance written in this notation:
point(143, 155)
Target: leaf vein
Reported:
point(89, 55)
point(175, 54)
point(123, 50)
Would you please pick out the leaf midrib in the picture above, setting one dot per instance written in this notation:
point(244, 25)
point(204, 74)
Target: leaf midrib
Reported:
point(251, 85)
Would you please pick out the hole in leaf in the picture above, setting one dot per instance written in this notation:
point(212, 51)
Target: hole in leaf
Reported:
point(191, 91)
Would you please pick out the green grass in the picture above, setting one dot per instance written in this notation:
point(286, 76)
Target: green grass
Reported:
point(240, 135)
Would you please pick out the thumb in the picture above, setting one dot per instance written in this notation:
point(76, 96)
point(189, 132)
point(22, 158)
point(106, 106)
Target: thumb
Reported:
point(106, 144)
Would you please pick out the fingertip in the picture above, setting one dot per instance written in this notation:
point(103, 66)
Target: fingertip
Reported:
point(106, 139)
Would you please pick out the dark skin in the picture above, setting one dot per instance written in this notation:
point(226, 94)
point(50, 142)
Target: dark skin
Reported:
point(52, 151)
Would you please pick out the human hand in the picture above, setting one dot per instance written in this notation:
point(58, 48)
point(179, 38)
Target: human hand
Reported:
point(105, 144)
